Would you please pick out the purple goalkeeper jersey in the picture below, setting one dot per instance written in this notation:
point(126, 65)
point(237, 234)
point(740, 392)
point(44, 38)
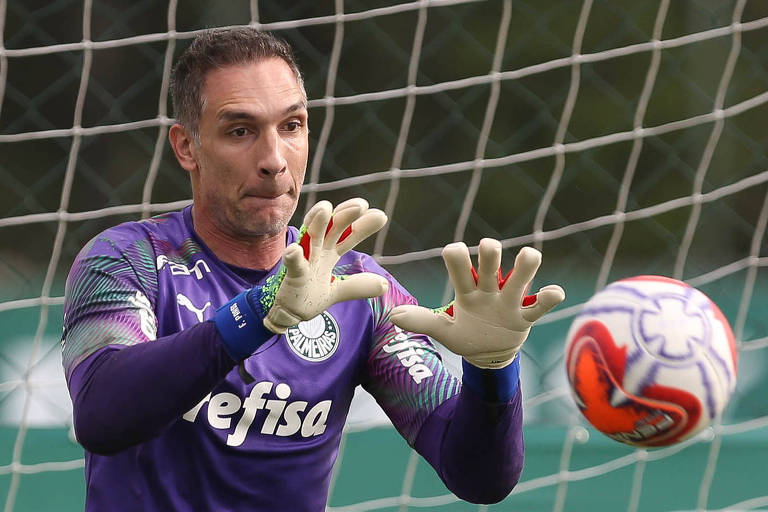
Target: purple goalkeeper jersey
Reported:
point(265, 437)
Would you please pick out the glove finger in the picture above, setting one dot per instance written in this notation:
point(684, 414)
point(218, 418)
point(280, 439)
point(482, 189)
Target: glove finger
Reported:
point(316, 222)
point(293, 259)
point(369, 223)
point(420, 320)
point(547, 298)
point(315, 210)
point(527, 262)
point(459, 266)
point(340, 221)
point(354, 202)
point(358, 286)
point(488, 263)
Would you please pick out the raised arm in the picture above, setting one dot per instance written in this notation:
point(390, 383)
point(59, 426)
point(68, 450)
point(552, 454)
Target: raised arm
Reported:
point(473, 439)
point(113, 361)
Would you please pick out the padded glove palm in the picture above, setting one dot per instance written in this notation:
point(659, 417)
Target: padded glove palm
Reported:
point(306, 286)
point(490, 317)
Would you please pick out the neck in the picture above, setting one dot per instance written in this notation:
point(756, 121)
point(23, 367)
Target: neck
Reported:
point(259, 252)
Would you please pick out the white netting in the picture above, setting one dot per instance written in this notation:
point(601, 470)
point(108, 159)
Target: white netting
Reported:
point(618, 137)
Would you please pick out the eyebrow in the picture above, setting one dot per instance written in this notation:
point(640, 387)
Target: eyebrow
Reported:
point(299, 105)
point(242, 115)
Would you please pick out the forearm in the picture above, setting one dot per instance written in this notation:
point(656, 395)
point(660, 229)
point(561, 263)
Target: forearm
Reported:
point(474, 440)
point(124, 395)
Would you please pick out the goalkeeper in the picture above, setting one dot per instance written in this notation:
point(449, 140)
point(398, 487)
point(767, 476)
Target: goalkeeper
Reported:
point(212, 353)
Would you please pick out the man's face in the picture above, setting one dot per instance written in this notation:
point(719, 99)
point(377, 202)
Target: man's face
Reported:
point(253, 147)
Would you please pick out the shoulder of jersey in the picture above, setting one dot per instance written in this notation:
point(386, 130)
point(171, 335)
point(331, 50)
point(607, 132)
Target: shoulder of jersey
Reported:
point(165, 227)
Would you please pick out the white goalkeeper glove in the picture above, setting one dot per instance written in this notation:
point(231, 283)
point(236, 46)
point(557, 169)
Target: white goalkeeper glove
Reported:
point(307, 287)
point(490, 317)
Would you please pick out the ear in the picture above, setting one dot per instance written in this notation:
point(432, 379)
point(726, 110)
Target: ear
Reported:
point(183, 147)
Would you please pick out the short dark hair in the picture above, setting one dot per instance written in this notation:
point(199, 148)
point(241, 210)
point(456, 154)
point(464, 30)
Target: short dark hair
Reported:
point(217, 48)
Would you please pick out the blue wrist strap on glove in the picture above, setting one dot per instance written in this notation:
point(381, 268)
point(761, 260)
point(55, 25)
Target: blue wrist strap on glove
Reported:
point(493, 385)
point(241, 326)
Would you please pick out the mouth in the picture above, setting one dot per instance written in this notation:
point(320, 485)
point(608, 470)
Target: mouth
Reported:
point(260, 200)
point(260, 194)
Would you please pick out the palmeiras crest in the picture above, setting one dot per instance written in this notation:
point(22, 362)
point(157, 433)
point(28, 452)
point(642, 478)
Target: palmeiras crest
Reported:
point(316, 339)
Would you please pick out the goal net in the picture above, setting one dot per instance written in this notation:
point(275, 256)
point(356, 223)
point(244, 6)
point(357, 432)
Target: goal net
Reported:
point(618, 137)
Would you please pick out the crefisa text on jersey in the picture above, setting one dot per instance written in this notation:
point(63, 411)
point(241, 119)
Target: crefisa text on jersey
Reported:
point(283, 418)
point(409, 353)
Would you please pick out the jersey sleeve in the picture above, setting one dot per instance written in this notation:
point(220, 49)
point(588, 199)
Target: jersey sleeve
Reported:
point(109, 297)
point(405, 373)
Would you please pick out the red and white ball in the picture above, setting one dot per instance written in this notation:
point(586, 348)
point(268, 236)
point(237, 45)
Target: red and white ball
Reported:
point(651, 361)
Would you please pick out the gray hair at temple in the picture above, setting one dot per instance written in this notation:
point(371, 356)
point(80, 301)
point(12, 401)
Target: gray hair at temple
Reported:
point(214, 49)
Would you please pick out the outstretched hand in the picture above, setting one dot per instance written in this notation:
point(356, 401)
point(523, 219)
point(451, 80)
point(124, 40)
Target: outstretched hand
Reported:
point(490, 318)
point(308, 286)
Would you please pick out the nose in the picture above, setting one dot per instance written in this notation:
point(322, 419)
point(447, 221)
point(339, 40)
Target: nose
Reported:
point(272, 160)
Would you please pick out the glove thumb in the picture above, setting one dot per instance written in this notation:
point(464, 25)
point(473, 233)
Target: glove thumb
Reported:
point(359, 286)
point(546, 299)
point(420, 319)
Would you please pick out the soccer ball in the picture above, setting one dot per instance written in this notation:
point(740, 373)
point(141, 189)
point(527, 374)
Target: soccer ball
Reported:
point(651, 361)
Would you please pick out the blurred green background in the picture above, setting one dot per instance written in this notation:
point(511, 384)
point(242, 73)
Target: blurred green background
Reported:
point(533, 198)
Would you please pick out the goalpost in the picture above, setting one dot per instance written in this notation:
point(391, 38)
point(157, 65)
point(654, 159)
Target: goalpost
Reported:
point(618, 137)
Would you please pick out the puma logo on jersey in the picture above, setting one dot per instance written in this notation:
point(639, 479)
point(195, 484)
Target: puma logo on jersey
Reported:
point(409, 353)
point(183, 300)
point(282, 418)
point(179, 269)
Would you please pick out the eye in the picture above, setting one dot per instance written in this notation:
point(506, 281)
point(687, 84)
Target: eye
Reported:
point(292, 126)
point(239, 132)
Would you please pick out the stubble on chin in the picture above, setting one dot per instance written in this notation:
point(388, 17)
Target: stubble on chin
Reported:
point(247, 226)
point(250, 224)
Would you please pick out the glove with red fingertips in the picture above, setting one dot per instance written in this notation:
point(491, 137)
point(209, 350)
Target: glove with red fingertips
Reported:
point(306, 286)
point(491, 316)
